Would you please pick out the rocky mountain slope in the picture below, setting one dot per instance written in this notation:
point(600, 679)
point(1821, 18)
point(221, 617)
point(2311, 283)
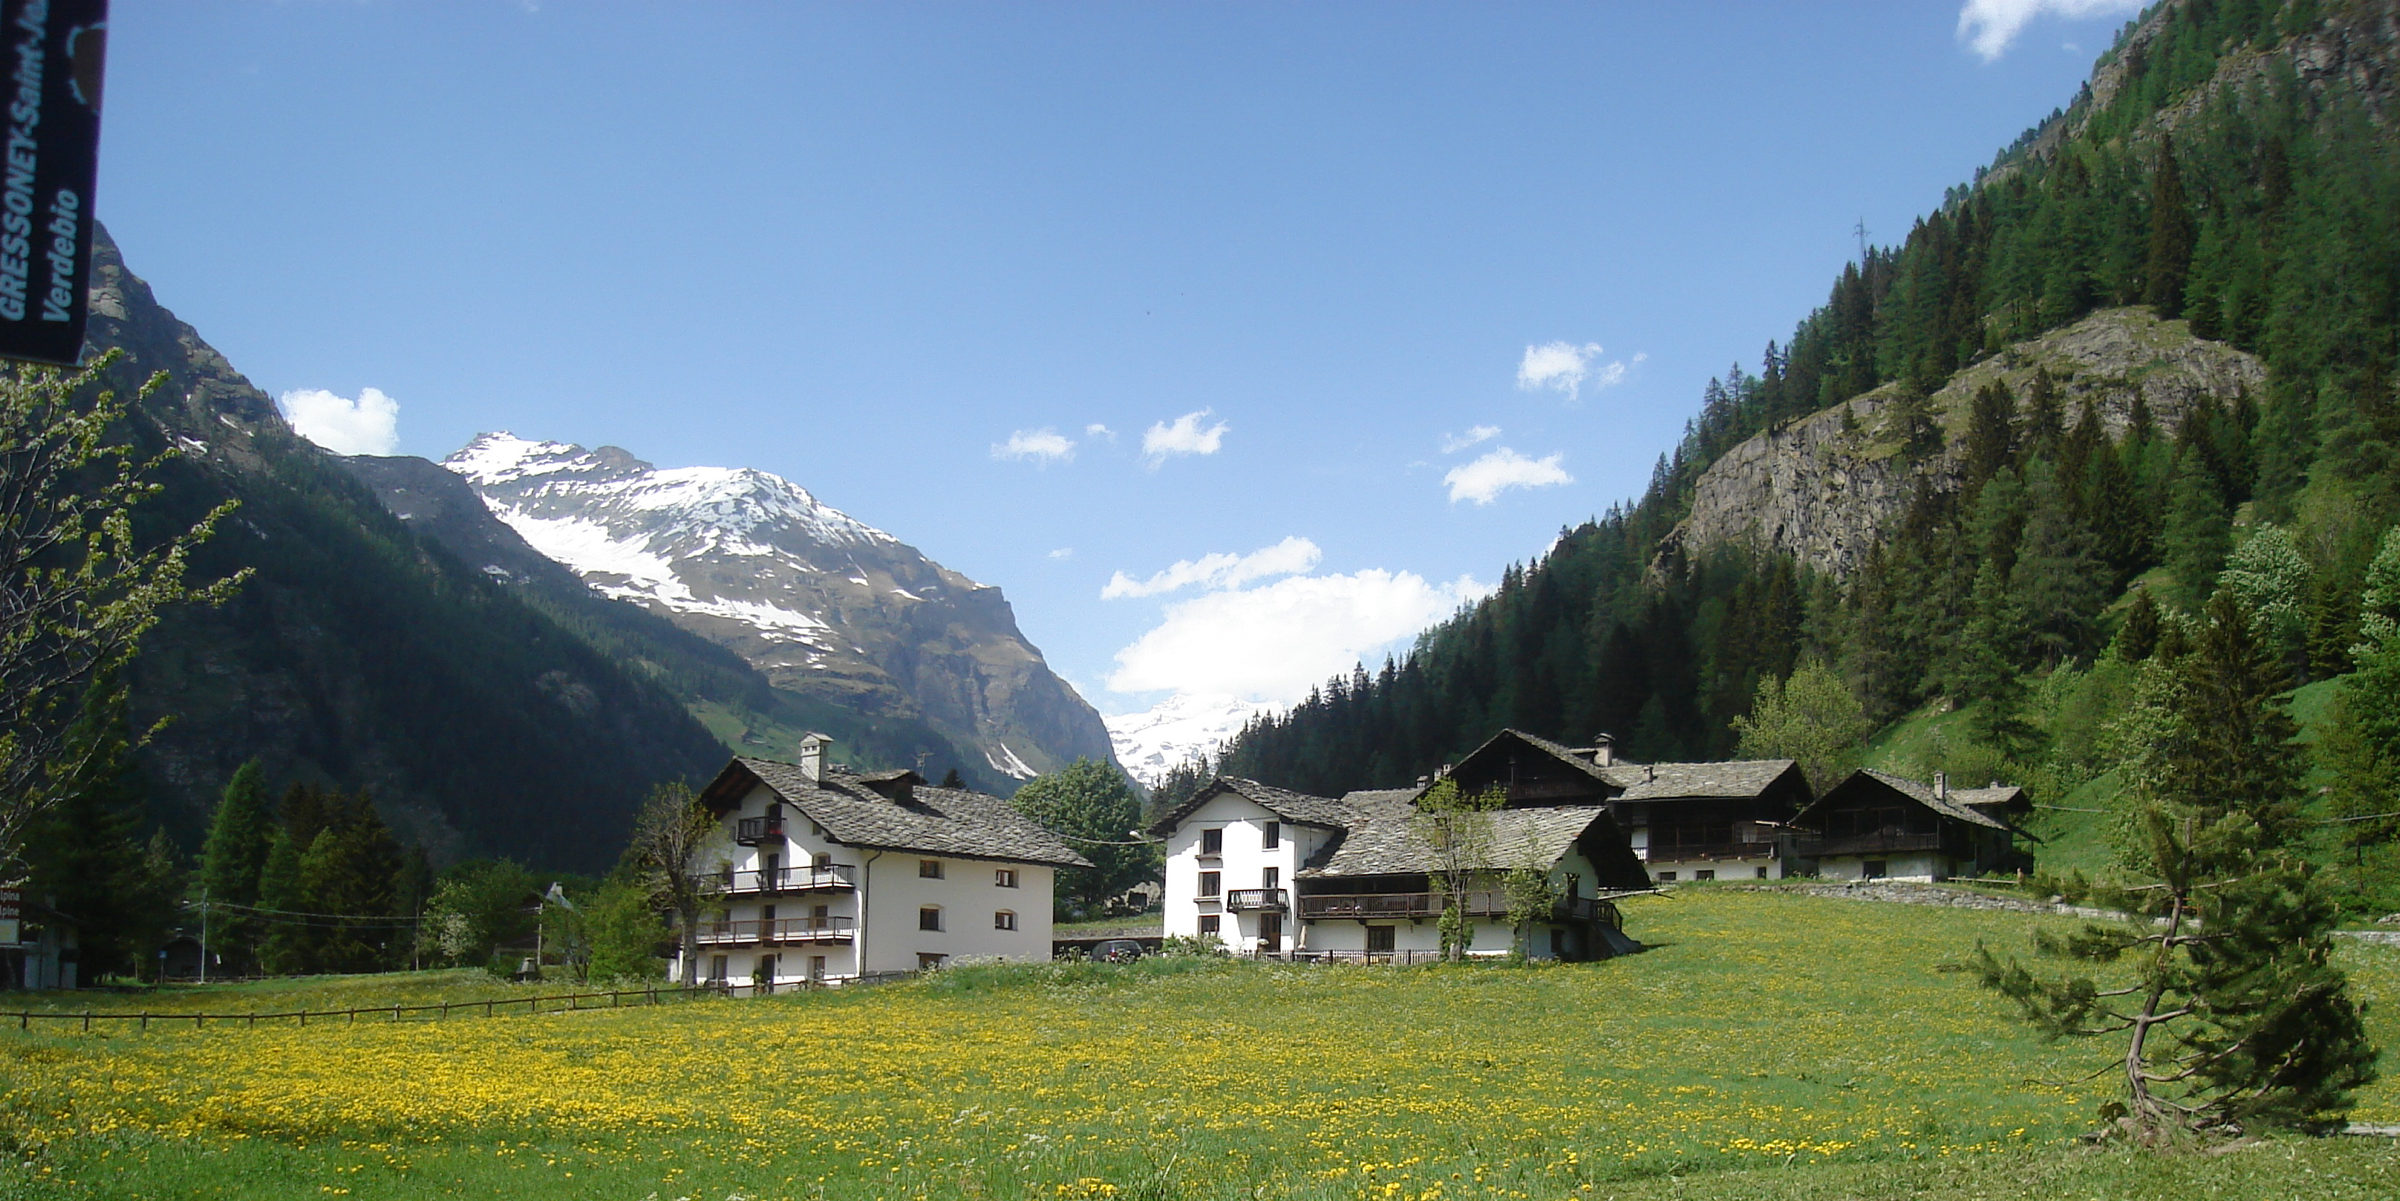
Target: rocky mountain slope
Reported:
point(1822, 487)
point(360, 656)
point(822, 605)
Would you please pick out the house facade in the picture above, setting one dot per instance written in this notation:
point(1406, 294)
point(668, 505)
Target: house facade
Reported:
point(824, 875)
point(1283, 874)
point(1874, 825)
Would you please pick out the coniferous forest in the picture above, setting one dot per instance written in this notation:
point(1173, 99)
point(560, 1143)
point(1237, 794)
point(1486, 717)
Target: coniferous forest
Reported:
point(2043, 549)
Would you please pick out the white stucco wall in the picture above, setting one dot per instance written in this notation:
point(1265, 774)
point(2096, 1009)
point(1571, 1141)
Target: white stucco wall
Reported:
point(1687, 870)
point(1242, 864)
point(1923, 865)
point(888, 937)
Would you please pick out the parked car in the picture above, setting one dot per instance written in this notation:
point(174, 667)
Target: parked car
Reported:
point(1118, 950)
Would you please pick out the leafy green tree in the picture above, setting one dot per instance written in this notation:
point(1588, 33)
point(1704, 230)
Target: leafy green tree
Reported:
point(1090, 804)
point(475, 907)
point(671, 837)
point(624, 931)
point(87, 856)
point(1457, 824)
point(79, 587)
point(2222, 987)
point(1812, 717)
point(2379, 596)
point(2270, 576)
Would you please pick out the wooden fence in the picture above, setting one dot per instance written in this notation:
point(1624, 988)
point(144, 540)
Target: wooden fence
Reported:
point(437, 1011)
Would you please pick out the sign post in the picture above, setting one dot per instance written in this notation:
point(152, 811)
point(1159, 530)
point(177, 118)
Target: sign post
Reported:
point(50, 51)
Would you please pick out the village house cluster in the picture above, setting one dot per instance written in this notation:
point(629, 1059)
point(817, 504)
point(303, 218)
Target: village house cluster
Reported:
point(825, 875)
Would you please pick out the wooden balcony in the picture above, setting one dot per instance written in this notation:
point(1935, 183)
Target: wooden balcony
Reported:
point(1242, 900)
point(773, 931)
point(751, 831)
point(1691, 851)
point(787, 879)
point(1880, 842)
point(1482, 902)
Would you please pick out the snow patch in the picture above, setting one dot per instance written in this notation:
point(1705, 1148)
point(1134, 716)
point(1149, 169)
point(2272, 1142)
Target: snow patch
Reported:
point(1013, 767)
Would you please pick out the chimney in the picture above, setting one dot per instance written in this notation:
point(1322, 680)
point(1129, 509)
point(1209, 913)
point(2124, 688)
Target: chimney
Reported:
point(1649, 773)
point(1442, 772)
point(1604, 750)
point(1941, 785)
point(1422, 781)
point(812, 757)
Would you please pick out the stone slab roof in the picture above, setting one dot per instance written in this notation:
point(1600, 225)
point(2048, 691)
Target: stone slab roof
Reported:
point(1661, 781)
point(935, 821)
point(1922, 794)
point(1384, 840)
point(1290, 806)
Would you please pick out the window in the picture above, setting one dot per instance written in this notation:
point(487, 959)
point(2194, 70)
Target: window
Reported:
point(1380, 938)
point(1274, 836)
point(929, 869)
point(929, 918)
point(1208, 925)
point(928, 961)
point(816, 967)
point(716, 968)
point(1212, 841)
point(1004, 877)
point(820, 861)
point(819, 917)
point(1270, 878)
point(1762, 873)
point(1666, 877)
point(1209, 883)
point(1874, 869)
point(1004, 920)
point(1706, 873)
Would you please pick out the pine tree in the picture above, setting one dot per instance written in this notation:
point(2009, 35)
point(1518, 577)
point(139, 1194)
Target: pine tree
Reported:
point(287, 947)
point(1991, 434)
point(2235, 1018)
point(2172, 235)
point(231, 860)
point(2198, 531)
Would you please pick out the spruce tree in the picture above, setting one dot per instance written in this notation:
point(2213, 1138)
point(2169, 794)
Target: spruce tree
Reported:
point(2172, 235)
point(231, 860)
point(2221, 984)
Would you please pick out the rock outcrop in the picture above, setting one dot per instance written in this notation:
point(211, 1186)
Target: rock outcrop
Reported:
point(1823, 487)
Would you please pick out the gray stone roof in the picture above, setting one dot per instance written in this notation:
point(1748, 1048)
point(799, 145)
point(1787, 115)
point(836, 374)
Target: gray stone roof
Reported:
point(1290, 806)
point(1985, 799)
point(1923, 795)
point(1384, 840)
point(935, 821)
point(1661, 781)
point(1676, 781)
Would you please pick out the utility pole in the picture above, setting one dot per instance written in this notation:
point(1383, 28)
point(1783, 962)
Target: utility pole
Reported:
point(204, 934)
point(1862, 242)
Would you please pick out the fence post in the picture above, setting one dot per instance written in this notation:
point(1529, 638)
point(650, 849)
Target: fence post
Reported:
point(87, 1021)
point(145, 1021)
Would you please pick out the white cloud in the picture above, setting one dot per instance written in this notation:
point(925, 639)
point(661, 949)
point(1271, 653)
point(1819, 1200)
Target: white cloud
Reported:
point(1454, 443)
point(1097, 430)
point(369, 425)
point(1288, 557)
point(1183, 437)
point(1272, 643)
point(1564, 367)
point(1486, 478)
point(1043, 446)
point(1989, 26)
point(1064, 552)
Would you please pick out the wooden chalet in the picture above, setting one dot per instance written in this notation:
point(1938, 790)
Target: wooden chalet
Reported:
point(1875, 825)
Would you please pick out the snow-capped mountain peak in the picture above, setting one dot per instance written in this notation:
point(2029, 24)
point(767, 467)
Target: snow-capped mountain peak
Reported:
point(1157, 739)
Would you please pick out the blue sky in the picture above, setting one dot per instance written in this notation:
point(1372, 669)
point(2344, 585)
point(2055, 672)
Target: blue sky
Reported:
point(1233, 341)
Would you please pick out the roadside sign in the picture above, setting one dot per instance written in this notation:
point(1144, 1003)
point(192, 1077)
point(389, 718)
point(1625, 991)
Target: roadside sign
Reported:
point(51, 52)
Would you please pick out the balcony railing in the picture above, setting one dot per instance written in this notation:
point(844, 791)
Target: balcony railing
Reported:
point(1482, 902)
point(1881, 842)
point(751, 831)
point(1243, 899)
point(785, 879)
point(769, 931)
point(1686, 851)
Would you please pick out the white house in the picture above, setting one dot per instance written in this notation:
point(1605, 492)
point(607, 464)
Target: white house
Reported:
point(1283, 874)
point(827, 875)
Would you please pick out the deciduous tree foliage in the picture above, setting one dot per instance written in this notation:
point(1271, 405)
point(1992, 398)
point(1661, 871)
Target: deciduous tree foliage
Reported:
point(1812, 717)
point(78, 585)
point(1091, 805)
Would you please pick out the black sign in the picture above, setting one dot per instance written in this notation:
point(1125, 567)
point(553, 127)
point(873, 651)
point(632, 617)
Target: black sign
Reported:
point(50, 52)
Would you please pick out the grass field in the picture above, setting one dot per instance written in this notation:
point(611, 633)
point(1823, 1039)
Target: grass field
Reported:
point(1772, 1045)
